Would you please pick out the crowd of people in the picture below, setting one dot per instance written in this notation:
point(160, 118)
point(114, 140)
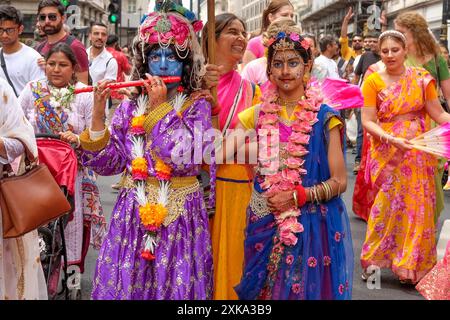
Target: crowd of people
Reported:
point(269, 225)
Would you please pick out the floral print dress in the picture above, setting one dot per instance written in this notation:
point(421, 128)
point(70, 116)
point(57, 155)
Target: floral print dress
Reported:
point(401, 227)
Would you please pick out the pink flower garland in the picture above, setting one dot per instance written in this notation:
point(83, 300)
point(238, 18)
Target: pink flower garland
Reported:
point(285, 176)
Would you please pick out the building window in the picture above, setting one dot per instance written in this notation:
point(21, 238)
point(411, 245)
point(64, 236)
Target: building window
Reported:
point(131, 6)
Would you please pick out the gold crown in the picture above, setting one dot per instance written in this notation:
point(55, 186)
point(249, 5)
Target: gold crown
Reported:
point(284, 45)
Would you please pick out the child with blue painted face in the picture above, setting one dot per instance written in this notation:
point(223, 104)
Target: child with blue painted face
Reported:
point(158, 245)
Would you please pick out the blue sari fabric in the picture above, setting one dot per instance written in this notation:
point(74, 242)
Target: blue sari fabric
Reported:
point(320, 265)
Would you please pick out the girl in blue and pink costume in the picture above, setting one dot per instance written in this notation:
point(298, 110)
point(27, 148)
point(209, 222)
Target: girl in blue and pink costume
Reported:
point(297, 242)
point(158, 245)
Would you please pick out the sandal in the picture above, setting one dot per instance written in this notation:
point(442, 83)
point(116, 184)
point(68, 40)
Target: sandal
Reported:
point(407, 282)
point(365, 276)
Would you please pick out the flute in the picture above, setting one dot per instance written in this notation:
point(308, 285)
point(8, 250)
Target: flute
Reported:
point(119, 85)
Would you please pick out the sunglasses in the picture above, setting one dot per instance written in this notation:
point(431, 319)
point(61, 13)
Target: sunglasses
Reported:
point(51, 17)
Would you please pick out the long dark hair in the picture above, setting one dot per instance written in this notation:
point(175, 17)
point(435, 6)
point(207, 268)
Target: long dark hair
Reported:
point(140, 67)
point(222, 21)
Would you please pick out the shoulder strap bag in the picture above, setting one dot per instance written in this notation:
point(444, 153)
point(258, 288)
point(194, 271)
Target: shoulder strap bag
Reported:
point(5, 71)
point(30, 200)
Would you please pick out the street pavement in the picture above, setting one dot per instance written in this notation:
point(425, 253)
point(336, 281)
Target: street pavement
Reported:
point(386, 287)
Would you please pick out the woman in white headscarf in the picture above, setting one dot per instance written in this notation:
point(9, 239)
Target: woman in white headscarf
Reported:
point(21, 274)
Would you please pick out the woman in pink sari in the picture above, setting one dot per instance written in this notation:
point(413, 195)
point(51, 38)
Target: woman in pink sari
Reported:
point(233, 184)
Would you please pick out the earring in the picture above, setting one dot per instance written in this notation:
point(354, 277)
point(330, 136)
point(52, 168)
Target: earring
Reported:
point(306, 77)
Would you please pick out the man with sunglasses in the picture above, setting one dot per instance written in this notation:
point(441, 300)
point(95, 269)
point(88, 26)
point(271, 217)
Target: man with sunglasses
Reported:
point(51, 19)
point(18, 61)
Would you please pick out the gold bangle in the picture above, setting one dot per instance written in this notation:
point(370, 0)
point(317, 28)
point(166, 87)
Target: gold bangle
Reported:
point(324, 194)
point(325, 190)
point(313, 195)
point(316, 192)
point(339, 186)
point(330, 191)
point(295, 198)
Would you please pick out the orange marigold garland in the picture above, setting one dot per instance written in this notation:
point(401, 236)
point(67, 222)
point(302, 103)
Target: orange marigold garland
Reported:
point(152, 215)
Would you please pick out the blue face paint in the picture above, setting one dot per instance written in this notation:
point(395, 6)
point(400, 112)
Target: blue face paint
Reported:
point(164, 62)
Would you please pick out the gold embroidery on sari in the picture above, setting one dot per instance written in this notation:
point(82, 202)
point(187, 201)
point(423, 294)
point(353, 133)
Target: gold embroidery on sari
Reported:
point(21, 282)
point(182, 189)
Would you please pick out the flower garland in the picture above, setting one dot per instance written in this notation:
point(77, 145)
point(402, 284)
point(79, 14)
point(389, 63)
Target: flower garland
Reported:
point(61, 98)
point(152, 215)
point(285, 176)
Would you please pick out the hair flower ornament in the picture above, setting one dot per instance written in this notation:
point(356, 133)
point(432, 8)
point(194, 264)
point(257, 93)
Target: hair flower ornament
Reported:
point(305, 44)
point(281, 35)
point(170, 24)
point(295, 37)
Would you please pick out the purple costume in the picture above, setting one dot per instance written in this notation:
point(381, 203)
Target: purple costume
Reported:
point(183, 265)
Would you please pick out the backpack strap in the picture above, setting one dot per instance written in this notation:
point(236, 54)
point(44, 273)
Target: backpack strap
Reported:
point(109, 61)
point(70, 39)
point(5, 71)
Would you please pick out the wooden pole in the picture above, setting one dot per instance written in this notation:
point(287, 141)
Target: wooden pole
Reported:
point(212, 40)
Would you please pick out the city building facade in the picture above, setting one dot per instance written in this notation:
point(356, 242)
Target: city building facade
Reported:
point(249, 10)
point(326, 16)
point(132, 12)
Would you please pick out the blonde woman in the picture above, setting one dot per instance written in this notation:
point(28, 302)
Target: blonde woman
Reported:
point(424, 51)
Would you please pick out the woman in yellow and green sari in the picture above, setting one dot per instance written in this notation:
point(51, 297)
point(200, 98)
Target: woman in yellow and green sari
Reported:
point(424, 52)
point(401, 227)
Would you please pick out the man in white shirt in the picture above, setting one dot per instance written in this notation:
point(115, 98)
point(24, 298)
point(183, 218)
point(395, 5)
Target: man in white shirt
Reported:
point(325, 66)
point(102, 65)
point(19, 63)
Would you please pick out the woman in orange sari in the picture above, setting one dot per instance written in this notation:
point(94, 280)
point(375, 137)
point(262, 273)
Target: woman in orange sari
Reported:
point(401, 226)
point(233, 181)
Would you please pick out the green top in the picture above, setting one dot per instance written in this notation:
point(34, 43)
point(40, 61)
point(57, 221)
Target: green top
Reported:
point(430, 66)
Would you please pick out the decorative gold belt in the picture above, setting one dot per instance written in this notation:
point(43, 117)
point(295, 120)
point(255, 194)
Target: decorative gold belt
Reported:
point(182, 189)
point(175, 183)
